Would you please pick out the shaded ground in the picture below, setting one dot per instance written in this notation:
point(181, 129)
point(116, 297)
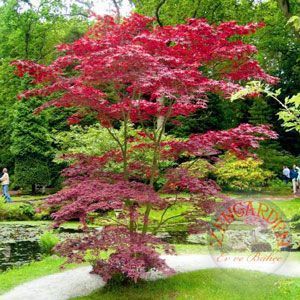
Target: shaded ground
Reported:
point(268, 197)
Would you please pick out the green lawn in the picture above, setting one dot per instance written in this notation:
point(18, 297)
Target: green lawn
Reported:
point(207, 285)
point(290, 207)
point(46, 224)
point(29, 197)
point(25, 198)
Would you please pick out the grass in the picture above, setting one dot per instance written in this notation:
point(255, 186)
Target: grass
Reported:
point(191, 249)
point(169, 288)
point(213, 284)
point(46, 224)
point(289, 208)
point(205, 284)
point(28, 197)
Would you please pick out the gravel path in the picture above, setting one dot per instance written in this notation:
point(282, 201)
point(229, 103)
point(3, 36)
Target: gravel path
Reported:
point(78, 282)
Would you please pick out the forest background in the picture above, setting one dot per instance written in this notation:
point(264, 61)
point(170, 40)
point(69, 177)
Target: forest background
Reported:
point(31, 29)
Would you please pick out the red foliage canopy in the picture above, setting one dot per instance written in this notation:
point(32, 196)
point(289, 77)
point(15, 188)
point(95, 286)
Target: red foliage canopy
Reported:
point(143, 63)
point(140, 73)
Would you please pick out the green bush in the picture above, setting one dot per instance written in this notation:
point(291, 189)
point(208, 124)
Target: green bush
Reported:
point(241, 174)
point(199, 168)
point(295, 222)
point(44, 214)
point(278, 186)
point(295, 218)
point(31, 172)
point(28, 210)
point(48, 241)
point(16, 212)
point(274, 159)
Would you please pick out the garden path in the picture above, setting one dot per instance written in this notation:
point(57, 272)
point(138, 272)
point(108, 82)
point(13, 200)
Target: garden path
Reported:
point(79, 282)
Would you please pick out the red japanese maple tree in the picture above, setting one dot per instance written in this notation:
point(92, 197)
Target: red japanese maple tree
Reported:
point(134, 72)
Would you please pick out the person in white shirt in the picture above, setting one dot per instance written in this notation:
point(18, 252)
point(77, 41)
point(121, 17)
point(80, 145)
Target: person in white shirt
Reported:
point(5, 183)
point(298, 178)
point(286, 174)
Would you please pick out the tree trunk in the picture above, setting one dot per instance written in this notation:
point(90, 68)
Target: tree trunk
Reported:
point(160, 119)
point(285, 7)
point(33, 189)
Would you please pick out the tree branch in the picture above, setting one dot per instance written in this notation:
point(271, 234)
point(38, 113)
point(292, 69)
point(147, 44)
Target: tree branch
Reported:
point(196, 9)
point(117, 7)
point(158, 7)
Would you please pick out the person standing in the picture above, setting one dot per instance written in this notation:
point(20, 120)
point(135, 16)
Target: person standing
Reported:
point(294, 177)
point(5, 183)
point(286, 174)
point(298, 178)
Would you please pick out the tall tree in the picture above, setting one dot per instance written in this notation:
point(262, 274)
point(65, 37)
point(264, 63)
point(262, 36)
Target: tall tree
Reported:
point(277, 43)
point(121, 74)
point(31, 147)
point(29, 30)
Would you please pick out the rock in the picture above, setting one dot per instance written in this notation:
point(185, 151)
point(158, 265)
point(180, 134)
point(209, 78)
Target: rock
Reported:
point(261, 247)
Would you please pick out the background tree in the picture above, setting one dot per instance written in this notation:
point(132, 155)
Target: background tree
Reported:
point(260, 112)
point(31, 147)
point(278, 47)
point(30, 30)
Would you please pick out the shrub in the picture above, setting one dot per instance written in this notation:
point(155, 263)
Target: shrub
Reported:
point(295, 225)
point(274, 159)
point(295, 218)
point(278, 186)
point(199, 168)
point(241, 174)
point(28, 210)
point(47, 242)
point(295, 222)
point(16, 212)
point(90, 140)
point(31, 172)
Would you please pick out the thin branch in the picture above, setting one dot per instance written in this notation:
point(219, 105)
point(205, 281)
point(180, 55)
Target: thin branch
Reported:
point(173, 217)
point(117, 7)
point(115, 138)
point(158, 7)
point(160, 130)
point(196, 9)
point(163, 214)
point(88, 4)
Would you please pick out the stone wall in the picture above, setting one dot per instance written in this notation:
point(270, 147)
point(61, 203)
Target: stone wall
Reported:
point(14, 253)
point(18, 245)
